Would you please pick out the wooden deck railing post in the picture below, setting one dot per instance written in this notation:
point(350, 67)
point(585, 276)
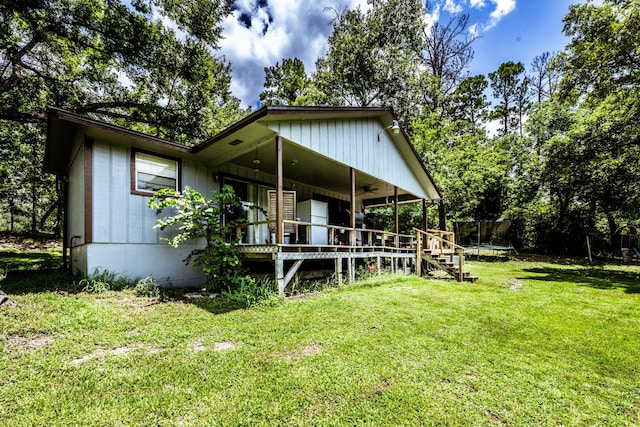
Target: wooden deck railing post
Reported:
point(418, 253)
point(460, 264)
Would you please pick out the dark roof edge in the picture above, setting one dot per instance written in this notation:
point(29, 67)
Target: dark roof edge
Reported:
point(83, 120)
point(231, 129)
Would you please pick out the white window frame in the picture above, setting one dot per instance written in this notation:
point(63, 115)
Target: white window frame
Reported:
point(155, 165)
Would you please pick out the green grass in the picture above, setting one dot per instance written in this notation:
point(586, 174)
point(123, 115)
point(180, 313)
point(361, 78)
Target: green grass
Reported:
point(530, 343)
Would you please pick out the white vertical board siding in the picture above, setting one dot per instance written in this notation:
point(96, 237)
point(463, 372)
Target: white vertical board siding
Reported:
point(75, 215)
point(135, 261)
point(118, 215)
point(102, 198)
point(120, 187)
point(355, 143)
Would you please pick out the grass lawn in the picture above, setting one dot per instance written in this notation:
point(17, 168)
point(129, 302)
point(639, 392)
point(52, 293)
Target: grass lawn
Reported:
point(530, 343)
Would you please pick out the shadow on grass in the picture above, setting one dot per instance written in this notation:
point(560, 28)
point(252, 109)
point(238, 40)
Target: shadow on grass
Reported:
point(19, 260)
point(593, 277)
point(20, 282)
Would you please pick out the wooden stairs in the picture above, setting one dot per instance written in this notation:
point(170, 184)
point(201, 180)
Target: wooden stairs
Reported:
point(436, 250)
point(435, 259)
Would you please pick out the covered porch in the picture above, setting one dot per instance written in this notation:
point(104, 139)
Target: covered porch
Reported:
point(316, 174)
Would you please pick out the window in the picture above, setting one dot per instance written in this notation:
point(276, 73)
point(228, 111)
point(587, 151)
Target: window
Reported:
point(152, 173)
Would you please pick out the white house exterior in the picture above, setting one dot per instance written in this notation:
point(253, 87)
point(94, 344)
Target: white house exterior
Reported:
point(348, 156)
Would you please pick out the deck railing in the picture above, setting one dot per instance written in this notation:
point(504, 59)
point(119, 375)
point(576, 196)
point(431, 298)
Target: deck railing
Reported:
point(337, 235)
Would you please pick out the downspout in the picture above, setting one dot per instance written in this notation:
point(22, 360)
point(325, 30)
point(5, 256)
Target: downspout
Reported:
point(71, 247)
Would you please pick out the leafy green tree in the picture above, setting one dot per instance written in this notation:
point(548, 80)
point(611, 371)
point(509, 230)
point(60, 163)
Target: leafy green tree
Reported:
point(469, 101)
point(201, 218)
point(115, 61)
point(371, 55)
point(601, 78)
point(288, 84)
point(508, 88)
point(469, 169)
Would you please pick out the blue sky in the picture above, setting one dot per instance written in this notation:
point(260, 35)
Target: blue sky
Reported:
point(263, 32)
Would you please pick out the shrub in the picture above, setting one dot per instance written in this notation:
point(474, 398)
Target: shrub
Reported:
point(199, 218)
point(250, 293)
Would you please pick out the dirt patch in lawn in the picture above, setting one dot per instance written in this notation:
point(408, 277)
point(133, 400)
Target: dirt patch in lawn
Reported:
point(198, 346)
point(118, 351)
point(22, 344)
point(309, 350)
point(136, 302)
point(403, 288)
point(515, 285)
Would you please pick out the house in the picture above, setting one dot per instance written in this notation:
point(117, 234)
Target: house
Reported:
point(313, 169)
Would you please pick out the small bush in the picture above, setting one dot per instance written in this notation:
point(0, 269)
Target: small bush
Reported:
point(147, 287)
point(99, 282)
point(249, 293)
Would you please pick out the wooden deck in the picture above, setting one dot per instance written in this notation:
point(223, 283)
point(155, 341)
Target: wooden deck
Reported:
point(398, 259)
point(400, 253)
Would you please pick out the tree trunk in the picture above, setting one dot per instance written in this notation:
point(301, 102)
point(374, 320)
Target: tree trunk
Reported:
point(442, 216)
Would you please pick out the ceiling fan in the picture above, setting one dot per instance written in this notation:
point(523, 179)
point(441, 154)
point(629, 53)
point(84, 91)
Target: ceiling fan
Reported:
point(368, 189)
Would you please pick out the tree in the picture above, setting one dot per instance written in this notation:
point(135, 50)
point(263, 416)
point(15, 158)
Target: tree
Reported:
point(469, 101)
point(117, 62)
point(469, 169)
point(508, 87)
point(447, 50)
point(201, 218)
point(371, 55)
point(600, 77)
point(603, 54)
point(286, 84)
point(544, 76)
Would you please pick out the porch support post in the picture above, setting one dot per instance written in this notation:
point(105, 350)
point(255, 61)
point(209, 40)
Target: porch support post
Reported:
point(350, 269)
point(395, 215)
point(352, 206)
point(339, 270)
point(279, 198)
point(425, 215)
point(379, 264)
point(280, 275)
point(419, 254)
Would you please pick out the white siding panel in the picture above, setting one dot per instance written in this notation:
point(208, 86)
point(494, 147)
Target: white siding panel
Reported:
point(75, 216)
point(138, 260)
point(355, 143)
point(120, 188)
point(101, 187)
point(149, 216)
point(134, 221)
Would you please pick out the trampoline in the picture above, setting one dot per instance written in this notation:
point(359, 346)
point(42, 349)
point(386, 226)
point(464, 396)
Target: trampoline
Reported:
point(484, 235)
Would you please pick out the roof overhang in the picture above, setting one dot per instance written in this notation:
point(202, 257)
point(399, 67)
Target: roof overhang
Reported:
point(243, 142)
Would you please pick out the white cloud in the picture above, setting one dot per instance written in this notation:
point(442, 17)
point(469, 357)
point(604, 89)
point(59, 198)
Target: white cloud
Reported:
point(433, 17)
point(451, 7)
point(260, 33)
point(474, 31)
point(503, 8)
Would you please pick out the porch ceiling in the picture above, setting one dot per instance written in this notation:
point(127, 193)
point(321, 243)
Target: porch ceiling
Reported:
point(308, 167)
